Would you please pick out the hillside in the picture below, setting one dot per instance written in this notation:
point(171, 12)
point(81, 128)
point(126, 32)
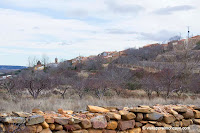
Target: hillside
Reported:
point(6, 67)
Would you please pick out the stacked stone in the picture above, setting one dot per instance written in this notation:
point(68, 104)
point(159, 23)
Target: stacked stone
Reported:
point(103, 120)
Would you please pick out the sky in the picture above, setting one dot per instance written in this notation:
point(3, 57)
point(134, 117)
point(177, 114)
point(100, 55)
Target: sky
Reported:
point(68, 28)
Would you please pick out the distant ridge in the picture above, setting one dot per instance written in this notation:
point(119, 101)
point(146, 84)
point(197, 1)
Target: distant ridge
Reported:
point(9, 67)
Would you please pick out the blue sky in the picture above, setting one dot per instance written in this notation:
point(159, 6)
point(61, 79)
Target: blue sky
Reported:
point(68, 28)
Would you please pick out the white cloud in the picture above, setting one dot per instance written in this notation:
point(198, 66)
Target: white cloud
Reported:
point(68, 27)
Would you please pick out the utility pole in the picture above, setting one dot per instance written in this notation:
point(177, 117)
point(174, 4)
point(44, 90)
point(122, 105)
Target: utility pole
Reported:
point(188, 32)
point(188, 37)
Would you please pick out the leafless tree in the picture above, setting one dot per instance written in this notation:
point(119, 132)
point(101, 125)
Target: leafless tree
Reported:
point(32, 61)
point(8, 84)
point(35, 82)
point(94, 63)
point(150, 83)
point(45, 60)
point(80, 85)
point(64, 84)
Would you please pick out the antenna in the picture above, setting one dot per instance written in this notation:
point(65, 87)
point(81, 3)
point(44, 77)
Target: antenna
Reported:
point(188, 32)
point(188, 36)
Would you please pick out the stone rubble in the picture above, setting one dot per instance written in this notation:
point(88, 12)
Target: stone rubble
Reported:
point(104, 120)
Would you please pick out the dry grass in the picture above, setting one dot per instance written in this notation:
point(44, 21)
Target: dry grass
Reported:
point(76, 104)
point(84, 74)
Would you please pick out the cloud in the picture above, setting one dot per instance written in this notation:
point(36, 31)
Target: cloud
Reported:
point(170, 10)
point(160, 36)
point(66, 28)
point(119, 31)
point(61, 9)
point(123, 8)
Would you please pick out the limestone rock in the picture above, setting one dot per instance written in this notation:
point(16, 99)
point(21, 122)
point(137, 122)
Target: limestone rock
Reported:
point(180, 109)
point(197, 121)
point(17, 120)
point(74, 120)
point(144, 106)
point(188, 114)
point(122, 131)
point(49, 120)
point(109, 131)
point(111, 108)
point(196, 114)
point(146, 130)
point(85, 123)
point(61, 131)
point(39, 128)
point(154, 116)
point(169, 119)
point(52, 126)
point(45, 125)
point(196, 107)
point(61, 120)
point(135, 130)
point(95, 131)
point(176, 124)
point(124, 125)
point(99, 122)
point(29, 129)
point(35, 119)
point(112, 125)
point(113, 116)
point(138, 124)
point(11, 128)
point(123, 112)
point(21, 114)
point(194, 129)
point(37, 111)
point(58, 127)
point(139, 117)
point(129, 116)
point(141, 110)
point(47, 130)
point(96, 109)
point(72, 127)
point(162, 131)
point(186, 123)
point(179, 117)
point(80, 131)
point(159, 124)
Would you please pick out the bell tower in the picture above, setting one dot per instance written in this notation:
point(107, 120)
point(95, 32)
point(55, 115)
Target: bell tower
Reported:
point(56, 60)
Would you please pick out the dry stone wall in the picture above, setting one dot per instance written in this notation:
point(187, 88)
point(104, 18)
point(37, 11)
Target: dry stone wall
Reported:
point(141, 119)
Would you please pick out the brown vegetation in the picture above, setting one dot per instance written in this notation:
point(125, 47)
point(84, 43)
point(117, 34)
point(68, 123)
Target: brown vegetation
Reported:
point(120, 78)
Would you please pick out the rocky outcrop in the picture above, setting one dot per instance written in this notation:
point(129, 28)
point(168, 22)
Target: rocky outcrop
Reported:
point(141, 119)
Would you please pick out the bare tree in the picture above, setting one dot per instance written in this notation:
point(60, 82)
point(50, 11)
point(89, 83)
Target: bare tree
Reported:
point(35, 82)
point(9, 84)
point(94, 63)
point(81, 86)
point(32, 61)
point(149, 84)
point(45, 60)
point(64, 84)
